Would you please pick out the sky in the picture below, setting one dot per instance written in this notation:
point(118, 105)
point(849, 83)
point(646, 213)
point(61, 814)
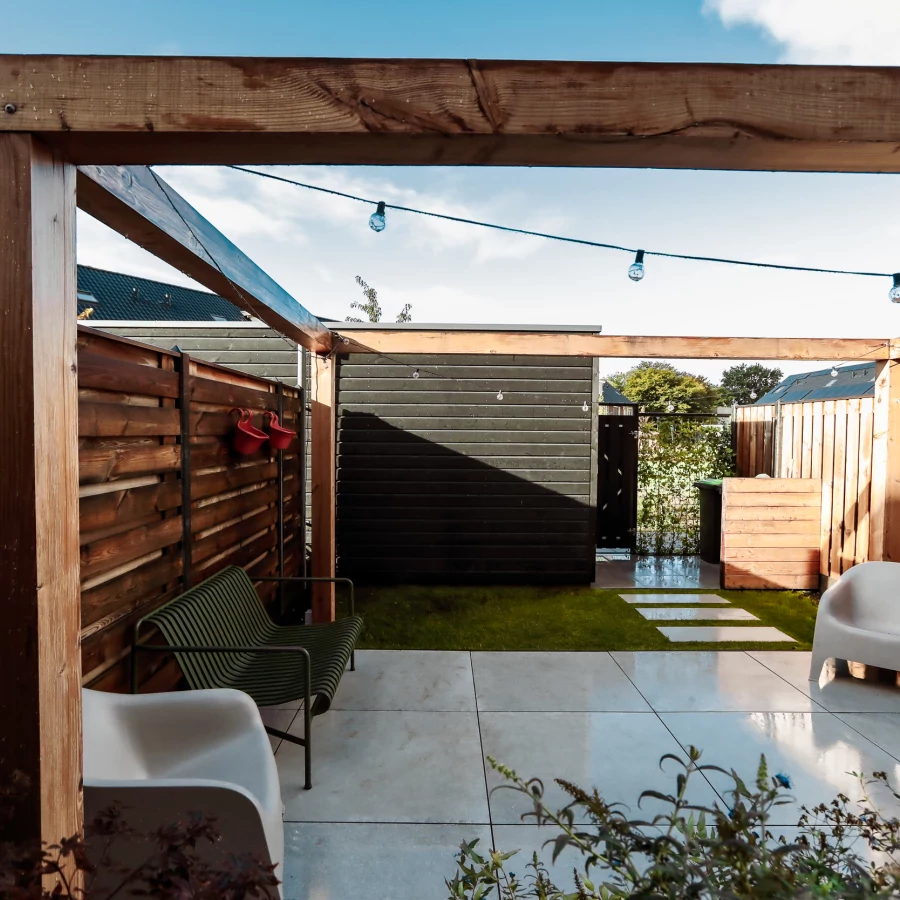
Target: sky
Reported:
point(315, 245)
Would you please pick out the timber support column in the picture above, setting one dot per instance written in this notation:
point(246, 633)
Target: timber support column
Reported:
point(884, 512)
point(324, 485)
point(40, 657)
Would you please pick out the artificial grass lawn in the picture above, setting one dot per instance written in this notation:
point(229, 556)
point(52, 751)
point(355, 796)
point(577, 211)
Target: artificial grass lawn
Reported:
point(555, 618)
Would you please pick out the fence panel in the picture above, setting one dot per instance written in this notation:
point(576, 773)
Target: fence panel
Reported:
point(831, 441)
point(155, 442)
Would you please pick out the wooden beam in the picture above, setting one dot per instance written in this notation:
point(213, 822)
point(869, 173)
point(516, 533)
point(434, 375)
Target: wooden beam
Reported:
point(884, 511)
point(323, 485)
point(138, 204)
point(456, 112)
point(40, 659)
point(610, 345)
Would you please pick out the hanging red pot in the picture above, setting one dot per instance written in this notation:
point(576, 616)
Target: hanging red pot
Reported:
point(279, 436)
point(247, 438)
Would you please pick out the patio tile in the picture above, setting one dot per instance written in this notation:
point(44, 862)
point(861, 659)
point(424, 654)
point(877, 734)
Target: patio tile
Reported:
point(838, 693)
point(354, 861)
point(670, 599)
point(387, 767)
point(689, 614)
point(882, 729)
point(554, 682)
point(427, 680)
point(715, 635)
point(277, 718)
point(673, 681)
point(816, 750)
point(616, 752)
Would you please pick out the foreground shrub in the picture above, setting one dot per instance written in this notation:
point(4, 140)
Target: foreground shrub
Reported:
point(692, 851)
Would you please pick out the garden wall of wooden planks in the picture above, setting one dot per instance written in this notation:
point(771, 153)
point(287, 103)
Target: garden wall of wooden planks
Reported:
point(771, 533)
point(135, 542)
point(829, 440)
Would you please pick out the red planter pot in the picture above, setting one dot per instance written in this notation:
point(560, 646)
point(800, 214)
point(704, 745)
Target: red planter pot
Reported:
point(279, 436)
point(247, 438)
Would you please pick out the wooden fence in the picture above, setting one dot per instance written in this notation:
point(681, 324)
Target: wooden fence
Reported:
point(154, 443)
point(771, 533)
point(829, 440)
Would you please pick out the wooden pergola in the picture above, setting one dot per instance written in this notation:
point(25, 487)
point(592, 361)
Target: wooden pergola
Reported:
point(81, 130)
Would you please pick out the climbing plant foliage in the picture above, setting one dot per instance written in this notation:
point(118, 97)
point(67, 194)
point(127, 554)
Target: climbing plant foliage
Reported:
point(673, 454)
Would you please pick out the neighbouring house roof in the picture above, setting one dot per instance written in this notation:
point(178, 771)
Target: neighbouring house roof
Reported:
point(609, 396)
point(117, 297)
point(857, 380)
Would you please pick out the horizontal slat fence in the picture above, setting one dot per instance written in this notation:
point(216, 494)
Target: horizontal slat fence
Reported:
point(771, 532)
point(135, 540)
point(441, 480)
point(828, 440)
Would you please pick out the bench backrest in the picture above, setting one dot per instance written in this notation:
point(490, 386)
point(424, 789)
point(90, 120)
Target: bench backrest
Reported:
point(224, 610)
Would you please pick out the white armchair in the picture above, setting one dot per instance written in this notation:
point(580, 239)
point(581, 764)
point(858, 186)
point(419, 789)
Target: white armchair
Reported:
point(162, 755)
point(859, 618)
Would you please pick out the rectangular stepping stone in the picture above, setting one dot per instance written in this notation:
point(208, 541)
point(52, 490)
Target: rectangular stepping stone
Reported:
point(715, 634)
point(716, 614)
point(670, 599)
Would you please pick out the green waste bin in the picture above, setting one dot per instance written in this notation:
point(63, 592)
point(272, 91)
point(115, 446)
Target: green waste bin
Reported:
point(710, 518)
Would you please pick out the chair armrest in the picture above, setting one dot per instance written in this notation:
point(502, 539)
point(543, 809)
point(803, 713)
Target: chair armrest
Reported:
point(311, 579)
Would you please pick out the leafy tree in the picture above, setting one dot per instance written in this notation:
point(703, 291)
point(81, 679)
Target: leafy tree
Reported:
point(372, 308)
point(656, 386)
point(739, 382)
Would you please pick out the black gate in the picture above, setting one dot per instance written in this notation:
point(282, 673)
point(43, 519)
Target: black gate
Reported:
point(617, 460)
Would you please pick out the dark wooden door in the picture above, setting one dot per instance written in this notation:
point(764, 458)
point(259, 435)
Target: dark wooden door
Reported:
point(617, 482)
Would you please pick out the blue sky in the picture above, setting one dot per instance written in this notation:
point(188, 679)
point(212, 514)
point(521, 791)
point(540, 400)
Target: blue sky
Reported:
point(315, 246)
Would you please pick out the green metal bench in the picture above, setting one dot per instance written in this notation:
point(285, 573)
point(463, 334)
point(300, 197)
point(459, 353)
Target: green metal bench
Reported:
point(223, 637)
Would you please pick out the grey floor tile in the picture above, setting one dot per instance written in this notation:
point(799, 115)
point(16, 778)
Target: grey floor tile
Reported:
point(618, 753)
point(581, 682)
point(673, 681)
point(427, 680)
point(688, 614)
point(530, 839)
point(715, 634)
point(277, 718)
point(816, 751)
point(881, 728)
point(394, 766)
point(835, 692)
point(643, 599)
point(354, 861)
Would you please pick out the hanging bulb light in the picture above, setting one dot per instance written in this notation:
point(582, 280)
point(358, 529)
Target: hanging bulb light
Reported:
point(500, 394)
point(584, 407)
point(753, 395)
point(834, 371)
point(636, 269)
point(670, 407)
point(894, 292)
point(416, 373)
point(376, 220)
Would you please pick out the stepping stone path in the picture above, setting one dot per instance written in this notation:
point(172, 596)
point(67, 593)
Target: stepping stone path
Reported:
point(691, 609)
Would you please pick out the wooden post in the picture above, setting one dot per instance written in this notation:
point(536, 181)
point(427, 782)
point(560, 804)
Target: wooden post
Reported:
point(884, 513)
point(40, 662)
point(322, 459)
point(187, 528)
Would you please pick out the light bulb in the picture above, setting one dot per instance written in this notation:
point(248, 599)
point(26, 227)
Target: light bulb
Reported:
point(753, 395)
point(584, 407)
point(670, 407)
point(834, 372)
point(500, 394)
point(376, 220)
point(894, 292)
point(636, 269)
point(416, 374)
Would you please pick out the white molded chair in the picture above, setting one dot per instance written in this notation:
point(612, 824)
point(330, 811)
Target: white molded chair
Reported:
point(161, 756)
point(859, 618)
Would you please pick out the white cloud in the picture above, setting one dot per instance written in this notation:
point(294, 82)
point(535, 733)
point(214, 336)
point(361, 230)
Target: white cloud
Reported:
point(862, 32)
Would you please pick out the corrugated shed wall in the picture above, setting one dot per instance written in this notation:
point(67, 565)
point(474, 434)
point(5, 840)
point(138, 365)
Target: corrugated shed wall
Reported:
point(258, 351)
point(441, 481)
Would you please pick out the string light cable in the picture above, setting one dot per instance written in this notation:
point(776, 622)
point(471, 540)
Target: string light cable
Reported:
point(636, 272)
